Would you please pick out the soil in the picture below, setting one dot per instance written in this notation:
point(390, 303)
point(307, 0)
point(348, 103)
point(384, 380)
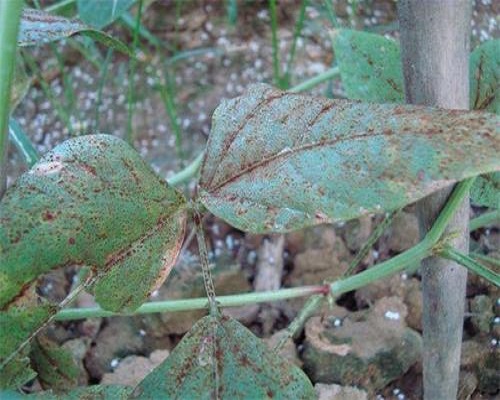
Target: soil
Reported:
point(206, 59)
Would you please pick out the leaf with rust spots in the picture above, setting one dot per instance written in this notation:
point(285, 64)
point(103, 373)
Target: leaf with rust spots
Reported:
point(334, 160)
point(370, 66)
point(54, 365)
point(38, 27)
point(91, 201)
point(95, 392)
point(220, 358)
point(484, 72)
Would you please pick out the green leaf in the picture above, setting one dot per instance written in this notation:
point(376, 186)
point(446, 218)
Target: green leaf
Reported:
point(370, 66)
point(55, 366)
point(100, 13)
point(38, 27)
point(91, 201)
point(485, 77)
point(486, 190)
point(278, 161)
point(220, 358)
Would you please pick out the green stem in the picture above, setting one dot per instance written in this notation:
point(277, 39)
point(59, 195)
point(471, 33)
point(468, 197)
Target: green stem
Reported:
point(133, 62)
point(316, 80)
point(386, 268)
point(487, 259)
point(274, 42)
point(459, 193)
point(22, 143)
point(236, 300)
point(331, 14)
point(296, 34)
point(452, 254)
point(188, 172)
point(484, 220)
point(10, 14)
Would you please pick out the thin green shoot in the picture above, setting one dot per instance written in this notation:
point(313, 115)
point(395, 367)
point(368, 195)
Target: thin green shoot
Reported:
point(10, 14)
point(330, 12)
point(454, 255)
point(274, 42)
point(296, 34)
point(102, 80)
point(129, 135)
point(23, 143)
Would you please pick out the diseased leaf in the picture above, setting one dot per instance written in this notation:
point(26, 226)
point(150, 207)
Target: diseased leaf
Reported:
point(278, 161)
point(54, 365)
point(370, 66)
point(90, 201)
point(38, 27)
point(16, 325)
point(485, 77)
point(486, 190)
point(96, 392)
point(100, 13)
point(220, 358)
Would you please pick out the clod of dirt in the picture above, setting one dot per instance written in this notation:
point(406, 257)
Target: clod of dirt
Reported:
point(337, 392)
point(357, 231)
point(327, 262)
point(367, 349)
point(288, 351)
point(116, 340)
point(408, 289)
point(467, 384)
point(403, 232)
point(132, 369)
point(481, 308)
point(78, 349)
point(488, 372)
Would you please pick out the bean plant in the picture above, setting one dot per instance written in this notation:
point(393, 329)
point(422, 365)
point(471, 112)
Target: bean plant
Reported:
point(275, 161)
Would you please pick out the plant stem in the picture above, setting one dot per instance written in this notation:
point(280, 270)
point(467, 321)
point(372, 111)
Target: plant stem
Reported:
point(389, 267)
point(188, 172)
point(131, 75)
point(274, 42)
point(451, 254)
point(201, 303)
point(316, 80)
point(10, 14)
point(298, 29)
point(487, 259)
point(484, 220)
point(22, 143)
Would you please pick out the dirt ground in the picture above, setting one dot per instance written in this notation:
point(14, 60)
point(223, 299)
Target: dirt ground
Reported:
point(204, 59)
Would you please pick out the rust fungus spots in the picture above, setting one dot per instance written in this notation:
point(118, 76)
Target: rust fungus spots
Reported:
point(47, 216)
